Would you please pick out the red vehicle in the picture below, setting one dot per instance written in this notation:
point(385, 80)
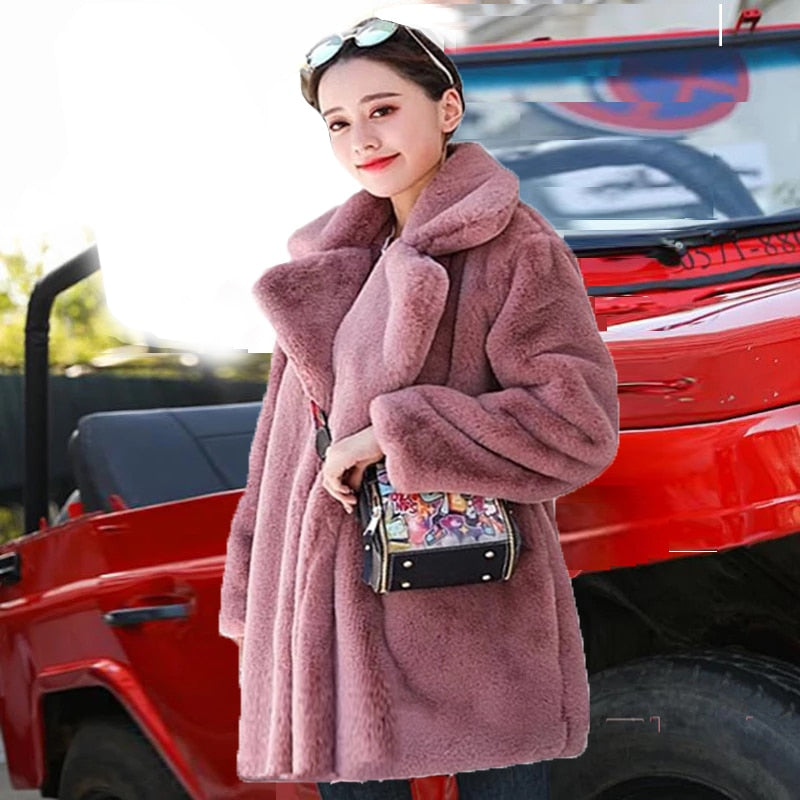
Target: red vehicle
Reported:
point(669, 164)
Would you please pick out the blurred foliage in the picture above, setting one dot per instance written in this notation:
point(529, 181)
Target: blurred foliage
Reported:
point(85, 337)
point(12, 519)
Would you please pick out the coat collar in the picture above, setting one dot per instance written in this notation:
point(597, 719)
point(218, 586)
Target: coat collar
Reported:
point(468, 202)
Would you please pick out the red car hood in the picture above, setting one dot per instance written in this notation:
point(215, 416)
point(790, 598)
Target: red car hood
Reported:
point(733, 352)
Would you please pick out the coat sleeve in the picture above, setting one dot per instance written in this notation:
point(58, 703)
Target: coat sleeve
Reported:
point(233, 594)
point(553, 425)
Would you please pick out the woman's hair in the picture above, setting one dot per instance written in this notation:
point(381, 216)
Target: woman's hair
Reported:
point(405, 56)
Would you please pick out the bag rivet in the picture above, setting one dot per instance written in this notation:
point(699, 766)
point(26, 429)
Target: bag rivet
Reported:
point(489, 554)
point(405, 584)
point(366, 547)
point(486, 577)
point(408, 564)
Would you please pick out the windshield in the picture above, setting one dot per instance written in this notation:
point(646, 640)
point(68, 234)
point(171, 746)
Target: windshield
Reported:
point(642, 141)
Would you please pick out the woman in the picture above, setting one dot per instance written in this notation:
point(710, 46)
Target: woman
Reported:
point(443, 325)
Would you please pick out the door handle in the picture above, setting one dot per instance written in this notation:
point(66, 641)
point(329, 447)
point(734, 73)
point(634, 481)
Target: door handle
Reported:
point(136, 615)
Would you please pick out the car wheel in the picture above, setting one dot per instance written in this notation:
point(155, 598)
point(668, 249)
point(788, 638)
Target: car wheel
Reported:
point(708, 725)
point(110, 759)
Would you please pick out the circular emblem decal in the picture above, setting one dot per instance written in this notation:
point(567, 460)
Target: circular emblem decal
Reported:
point(662, 93)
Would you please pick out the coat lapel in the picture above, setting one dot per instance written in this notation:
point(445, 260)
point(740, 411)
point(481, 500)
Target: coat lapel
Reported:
point(469, 201)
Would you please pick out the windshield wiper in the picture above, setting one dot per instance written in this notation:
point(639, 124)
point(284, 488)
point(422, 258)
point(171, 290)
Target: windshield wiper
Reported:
point(670, 247)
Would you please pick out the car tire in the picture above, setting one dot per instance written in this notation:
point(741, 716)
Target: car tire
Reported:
point(717, 724)
point(110, 759)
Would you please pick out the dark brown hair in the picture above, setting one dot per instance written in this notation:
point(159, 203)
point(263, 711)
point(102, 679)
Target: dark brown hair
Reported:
point(403, 54)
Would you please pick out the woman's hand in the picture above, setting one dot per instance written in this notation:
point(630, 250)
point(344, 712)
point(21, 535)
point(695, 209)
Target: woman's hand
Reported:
point(345, 462)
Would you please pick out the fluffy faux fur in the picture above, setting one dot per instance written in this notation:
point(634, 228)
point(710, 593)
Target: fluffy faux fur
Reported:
point(506, 390)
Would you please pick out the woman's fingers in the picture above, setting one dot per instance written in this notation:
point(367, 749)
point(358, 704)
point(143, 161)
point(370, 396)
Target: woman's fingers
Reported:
point(356, 476)
point(339, 491)
point(339, 462)
point(336, 485)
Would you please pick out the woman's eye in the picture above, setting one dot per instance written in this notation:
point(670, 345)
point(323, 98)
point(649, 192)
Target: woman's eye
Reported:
point(341, 122)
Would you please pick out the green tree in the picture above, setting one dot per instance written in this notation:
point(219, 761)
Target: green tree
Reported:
point(84, 333)
point(80, 323)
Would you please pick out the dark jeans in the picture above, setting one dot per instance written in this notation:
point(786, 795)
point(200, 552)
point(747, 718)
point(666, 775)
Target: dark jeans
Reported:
point(518, 782)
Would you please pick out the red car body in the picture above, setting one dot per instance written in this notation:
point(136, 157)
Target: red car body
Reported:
point(706, 341)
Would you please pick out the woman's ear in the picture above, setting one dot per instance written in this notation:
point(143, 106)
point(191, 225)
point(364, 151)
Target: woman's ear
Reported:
point(451, 110)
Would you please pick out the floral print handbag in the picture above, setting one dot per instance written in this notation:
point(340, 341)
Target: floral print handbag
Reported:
point(420, 541)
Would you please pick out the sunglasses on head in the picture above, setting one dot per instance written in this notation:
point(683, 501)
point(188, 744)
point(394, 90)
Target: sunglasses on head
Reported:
point(366, 34)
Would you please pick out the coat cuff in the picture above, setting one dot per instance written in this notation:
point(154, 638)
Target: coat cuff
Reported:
point(407, 442)
point(231, 628)
point(235, 575)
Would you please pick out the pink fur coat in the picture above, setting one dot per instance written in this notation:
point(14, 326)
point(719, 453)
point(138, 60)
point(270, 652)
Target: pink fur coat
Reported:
point(504, 388)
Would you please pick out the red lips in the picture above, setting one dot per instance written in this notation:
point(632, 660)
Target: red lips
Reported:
point(377, 163)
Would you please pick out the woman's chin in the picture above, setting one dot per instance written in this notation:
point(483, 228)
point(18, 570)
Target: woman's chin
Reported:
point(380, 188)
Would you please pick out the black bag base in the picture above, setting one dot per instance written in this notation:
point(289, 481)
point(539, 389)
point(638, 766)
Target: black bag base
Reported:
point(435, 566)
point(482, 562)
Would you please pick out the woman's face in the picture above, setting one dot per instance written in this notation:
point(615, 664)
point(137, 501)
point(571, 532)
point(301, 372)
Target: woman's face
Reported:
point(404, 122)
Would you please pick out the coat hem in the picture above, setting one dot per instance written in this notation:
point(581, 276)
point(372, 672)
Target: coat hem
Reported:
point(381, 773)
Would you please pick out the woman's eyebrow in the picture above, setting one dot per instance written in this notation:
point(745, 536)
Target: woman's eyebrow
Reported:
point(365, 99)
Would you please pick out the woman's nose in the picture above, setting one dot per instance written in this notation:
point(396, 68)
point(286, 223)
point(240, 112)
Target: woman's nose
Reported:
point(364, 141)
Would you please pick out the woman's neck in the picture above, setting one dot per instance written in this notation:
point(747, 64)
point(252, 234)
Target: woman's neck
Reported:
point(403, 203)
